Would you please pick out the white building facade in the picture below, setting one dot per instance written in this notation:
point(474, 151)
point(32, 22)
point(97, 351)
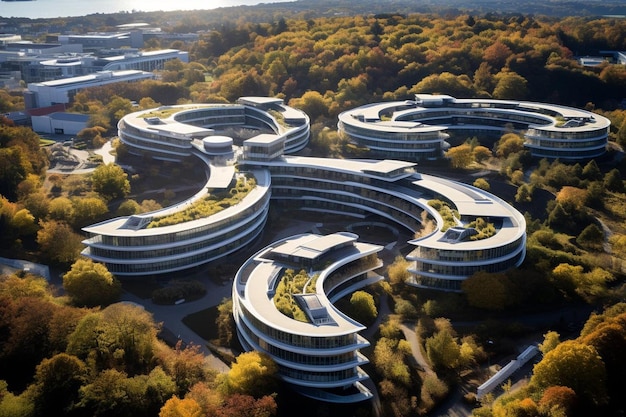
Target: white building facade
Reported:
point(443, 257)
point(417, 129)
point(320, 355)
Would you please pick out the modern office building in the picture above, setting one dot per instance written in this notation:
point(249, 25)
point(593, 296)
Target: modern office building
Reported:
point(62, 91)
point(317, 351)
point(67, 66)
point(444, 255)
point(418, 129)
point(168, 132)
point(148, 244)
point(140, 245)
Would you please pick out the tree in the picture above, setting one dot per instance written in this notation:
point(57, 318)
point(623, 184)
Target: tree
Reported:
point(572, 197)
point(613, 179)
point(88, 210)
point(14, 168)
point(175, 407)
point(59, 242)
point(128, 208)
point(592, 237)
point(32, 286)
point(312, 103)
point(487, 291)
point(61, 209)
point(460, 156)
point(496, 54)
point(57, 383)
point(363, 306)
point(550, 341)
point(24, 222)
point(107, 394)
point(574, 365)
point(398, 271)
point(445, 83)
point(508, 144)
point(24, 341)
point(253, 373)
point(510, 85)
point(110, 181)
point(524, 193)
point(481, 153)
point(483, 78)
point(443, 351)
point(186, 365)
point(557, 400)
point(591, 171)
point(225, 322)
point(90, 284)
point(389, 361)
point(248, 406)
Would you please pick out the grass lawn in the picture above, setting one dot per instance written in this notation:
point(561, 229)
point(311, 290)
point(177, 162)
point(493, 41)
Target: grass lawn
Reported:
point(203, 323)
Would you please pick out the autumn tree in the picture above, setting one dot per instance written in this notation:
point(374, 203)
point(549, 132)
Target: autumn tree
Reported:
point(88, 210)
point(443, 351)
point(57, 384)
point(110, 181)
point(92, 136)
point(460, 156)
point(24, 341)
point(574, 365)
point(592, 237)
point(390, 360)
point(613, 180)
point(225, 322)
point(496, 54)
point(253, 373)
point(558, 400)
point(550, 340)
point(508, 144)
point(363, 307)
point(61, 209)
point(186, 365)
point(90, 284)
point(510, 85)
point(58, 242)
point(398, 271)
point(176, 407)
point(486, 290)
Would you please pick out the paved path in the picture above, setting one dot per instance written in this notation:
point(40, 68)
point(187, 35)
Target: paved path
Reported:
point(171, 317)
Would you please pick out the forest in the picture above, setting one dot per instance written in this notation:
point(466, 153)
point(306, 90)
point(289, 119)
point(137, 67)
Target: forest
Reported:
point(78, 352)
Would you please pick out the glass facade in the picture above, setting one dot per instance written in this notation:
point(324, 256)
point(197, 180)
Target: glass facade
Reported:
point(584, 134)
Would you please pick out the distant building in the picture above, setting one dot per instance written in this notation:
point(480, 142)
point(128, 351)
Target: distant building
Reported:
point(592, 61)
point(63, 91)
point(419, 129)
point(60, 123)
point(6, 38)
point(94, 41)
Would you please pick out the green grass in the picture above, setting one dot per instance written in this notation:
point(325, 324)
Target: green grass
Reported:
point(203, 323)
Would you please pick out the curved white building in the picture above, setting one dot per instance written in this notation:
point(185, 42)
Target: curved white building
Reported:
point(395, 191)
point(168, 132)
point(318, 354)
point(129, 246)
point(391, 189)
point(417, 129)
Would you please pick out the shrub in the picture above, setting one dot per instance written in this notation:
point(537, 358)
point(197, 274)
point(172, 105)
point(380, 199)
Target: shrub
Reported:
point(178, 290)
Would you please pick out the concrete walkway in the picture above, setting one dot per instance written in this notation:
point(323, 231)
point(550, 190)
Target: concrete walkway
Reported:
point(171, 317)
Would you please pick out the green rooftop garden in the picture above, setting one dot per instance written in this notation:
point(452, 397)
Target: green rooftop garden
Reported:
point(211, 204)
point(293, 283)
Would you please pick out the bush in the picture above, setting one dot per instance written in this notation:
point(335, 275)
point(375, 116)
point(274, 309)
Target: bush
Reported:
point(178, 290)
